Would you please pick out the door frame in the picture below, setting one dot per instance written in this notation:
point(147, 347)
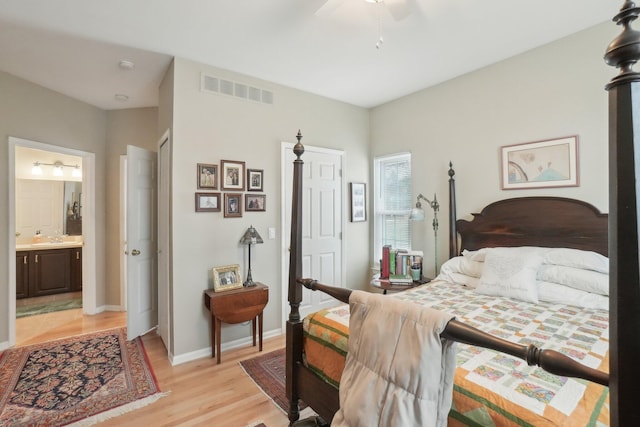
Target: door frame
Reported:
point(89, 305)
point(287, 147)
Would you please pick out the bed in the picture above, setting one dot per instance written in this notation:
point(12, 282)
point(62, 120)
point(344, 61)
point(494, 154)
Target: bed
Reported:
point(488, 384)
point(516, 223)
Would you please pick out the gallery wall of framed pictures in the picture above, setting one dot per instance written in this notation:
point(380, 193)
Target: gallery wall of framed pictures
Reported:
point(221, 188)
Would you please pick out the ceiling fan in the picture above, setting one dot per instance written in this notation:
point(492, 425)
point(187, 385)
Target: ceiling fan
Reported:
point(399, 9)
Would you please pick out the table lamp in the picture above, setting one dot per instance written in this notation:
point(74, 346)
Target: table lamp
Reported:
point(250, 237)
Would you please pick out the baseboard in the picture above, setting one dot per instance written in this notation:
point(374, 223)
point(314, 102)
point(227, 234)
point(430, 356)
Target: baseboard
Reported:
point(4, 345)
point(206, 352)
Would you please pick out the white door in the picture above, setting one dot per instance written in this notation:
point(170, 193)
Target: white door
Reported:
point(142, 286)
point(322, 223)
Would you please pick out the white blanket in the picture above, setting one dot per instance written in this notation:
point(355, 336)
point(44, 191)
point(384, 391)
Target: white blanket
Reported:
point(398, 371)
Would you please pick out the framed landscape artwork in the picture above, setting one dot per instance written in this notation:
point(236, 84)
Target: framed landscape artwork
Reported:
point(549, 163)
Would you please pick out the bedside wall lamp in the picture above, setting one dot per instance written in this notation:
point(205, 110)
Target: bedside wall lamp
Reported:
point(250, 237)
point(417, 214)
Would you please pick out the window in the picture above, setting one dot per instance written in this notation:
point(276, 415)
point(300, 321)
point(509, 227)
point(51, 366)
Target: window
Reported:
point(393, 202)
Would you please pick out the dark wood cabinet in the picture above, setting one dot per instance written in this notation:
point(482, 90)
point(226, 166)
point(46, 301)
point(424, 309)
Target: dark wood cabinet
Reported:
point(76, 269)
point(22, 274)
point(48, 271)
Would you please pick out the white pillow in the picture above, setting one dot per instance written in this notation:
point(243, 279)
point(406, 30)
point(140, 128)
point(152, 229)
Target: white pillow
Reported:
point(510, 272)
point(480, 254)
point(560, 294)
point(462, 265)
point(577, 258)
point(577, 278)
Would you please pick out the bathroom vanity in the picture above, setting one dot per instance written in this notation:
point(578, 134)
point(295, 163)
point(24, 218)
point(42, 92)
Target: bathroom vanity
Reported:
point(48, 268)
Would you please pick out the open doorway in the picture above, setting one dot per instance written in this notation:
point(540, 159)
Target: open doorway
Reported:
point(56, 234)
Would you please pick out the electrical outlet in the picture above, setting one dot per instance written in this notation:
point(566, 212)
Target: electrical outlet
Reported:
point(272, 233)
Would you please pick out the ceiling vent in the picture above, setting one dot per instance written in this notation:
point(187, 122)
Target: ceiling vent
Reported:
point(237, 90)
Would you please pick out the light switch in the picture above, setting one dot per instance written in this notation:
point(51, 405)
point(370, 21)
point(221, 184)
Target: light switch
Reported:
point(272, 233)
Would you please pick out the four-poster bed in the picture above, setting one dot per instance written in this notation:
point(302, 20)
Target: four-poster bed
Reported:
point(517, 223)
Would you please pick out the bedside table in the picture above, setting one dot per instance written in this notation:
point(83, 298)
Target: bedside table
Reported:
point(386, 286)
point(235, 306)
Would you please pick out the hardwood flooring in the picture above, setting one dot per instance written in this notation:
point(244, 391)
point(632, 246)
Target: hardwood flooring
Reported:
point(202, 393)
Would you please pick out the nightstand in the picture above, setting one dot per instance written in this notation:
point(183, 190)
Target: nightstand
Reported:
point(386, 286)
point(236, 306)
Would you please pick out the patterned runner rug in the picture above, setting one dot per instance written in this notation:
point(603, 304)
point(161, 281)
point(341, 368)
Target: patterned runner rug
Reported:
point(84, 379)
point(268, 372)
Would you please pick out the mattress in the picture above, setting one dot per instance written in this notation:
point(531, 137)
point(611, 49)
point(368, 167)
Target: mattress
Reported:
point(493, 388)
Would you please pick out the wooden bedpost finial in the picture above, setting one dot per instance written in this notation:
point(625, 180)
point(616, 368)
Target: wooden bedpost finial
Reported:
point(298, 149)
point(624, 51)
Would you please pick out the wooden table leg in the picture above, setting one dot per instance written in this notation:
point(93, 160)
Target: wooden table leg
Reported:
point(260, 328)
point(253, 330)
point(213, 335)
point(219, 335)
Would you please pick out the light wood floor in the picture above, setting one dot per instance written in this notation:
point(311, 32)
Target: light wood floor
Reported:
point(201, 392)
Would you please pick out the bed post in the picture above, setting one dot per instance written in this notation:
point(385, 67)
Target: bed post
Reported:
point(453, 235)
point(294, 324)
point(624, 170)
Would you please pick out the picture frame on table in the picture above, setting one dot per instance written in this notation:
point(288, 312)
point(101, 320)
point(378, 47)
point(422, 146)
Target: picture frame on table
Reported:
point(540, 164)
point(207, 202)
point(226, 278)
point(358, 192)
point(207, 176)
point(232, 175)
point(232, 205)
point(254, 179)
point(255, 202)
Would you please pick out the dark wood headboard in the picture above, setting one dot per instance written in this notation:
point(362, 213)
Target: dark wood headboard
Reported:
point(537, 221)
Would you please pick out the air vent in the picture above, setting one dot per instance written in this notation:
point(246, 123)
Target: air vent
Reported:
point(238, 90)
point(209, 83)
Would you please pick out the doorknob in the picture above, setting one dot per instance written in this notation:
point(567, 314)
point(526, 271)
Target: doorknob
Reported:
point(135, 252)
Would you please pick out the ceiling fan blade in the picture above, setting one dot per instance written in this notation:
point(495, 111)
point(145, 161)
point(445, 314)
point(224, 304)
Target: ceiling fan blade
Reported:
point(328, 7)
point(399, 9)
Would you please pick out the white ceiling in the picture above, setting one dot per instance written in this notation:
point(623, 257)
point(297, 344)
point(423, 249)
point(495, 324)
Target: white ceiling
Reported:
point(325, 47)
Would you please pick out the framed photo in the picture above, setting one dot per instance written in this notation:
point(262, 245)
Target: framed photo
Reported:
point(254, 179)
point(255, 202)
point(207, 176)
point(232, 205)
point(226, 278)
point(232, 175)
point(207, 202)
point(358, 201)
point(540, 164)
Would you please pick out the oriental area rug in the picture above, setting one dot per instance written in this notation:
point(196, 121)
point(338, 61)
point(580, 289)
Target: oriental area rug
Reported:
point(268, 372)
point(80, 380)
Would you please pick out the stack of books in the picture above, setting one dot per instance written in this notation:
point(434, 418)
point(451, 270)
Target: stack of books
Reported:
point(396, 264)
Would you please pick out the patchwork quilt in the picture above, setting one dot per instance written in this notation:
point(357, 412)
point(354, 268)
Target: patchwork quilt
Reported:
point(492, 388)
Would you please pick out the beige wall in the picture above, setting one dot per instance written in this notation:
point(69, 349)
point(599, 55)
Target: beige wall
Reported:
point(136, 126)
point(208, 128)
point(31, 112)
point(34, 113)
point(553, 91)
